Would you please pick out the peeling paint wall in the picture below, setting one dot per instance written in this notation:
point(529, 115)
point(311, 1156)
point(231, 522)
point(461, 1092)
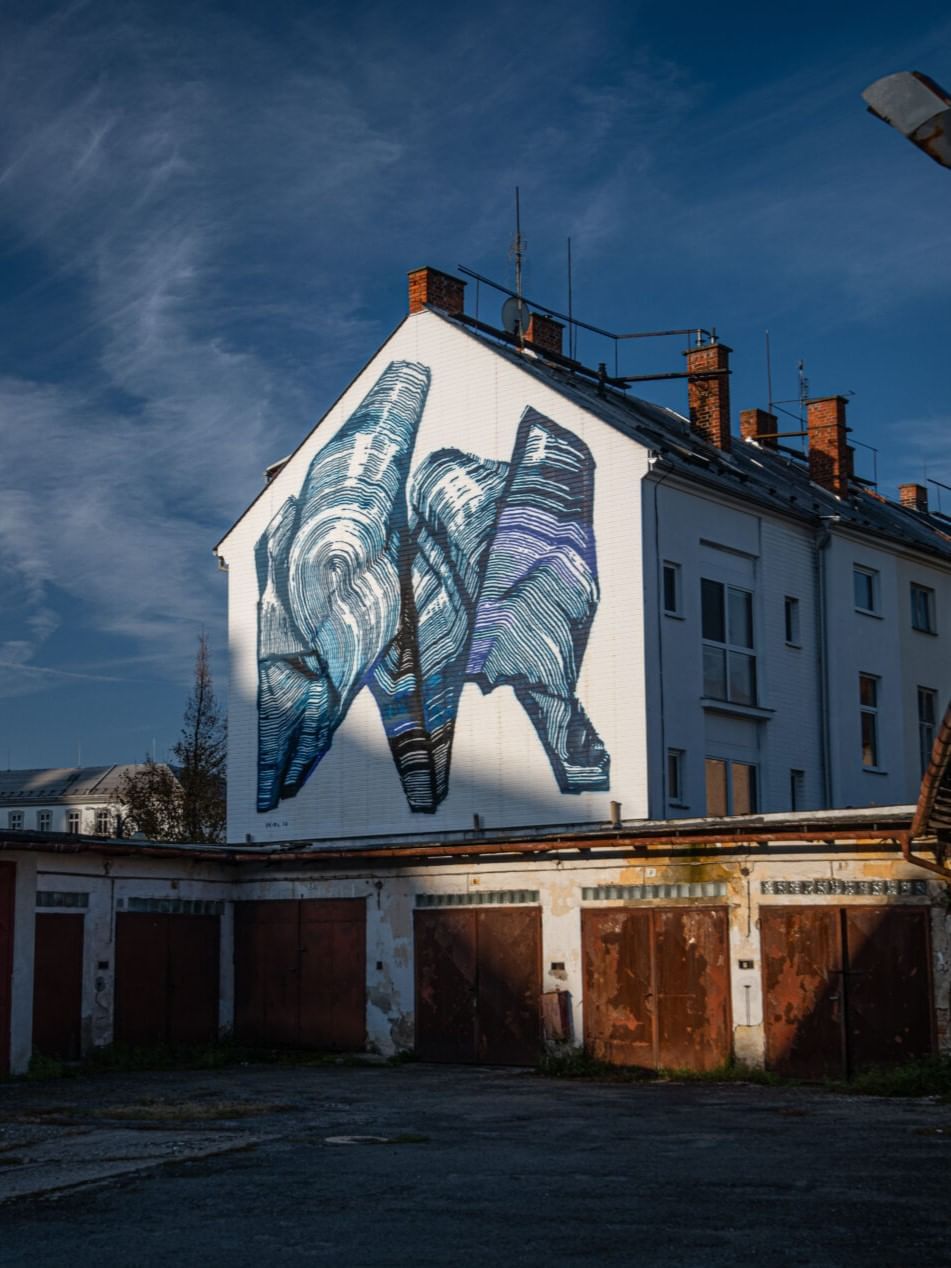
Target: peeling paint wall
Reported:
point(745, 885)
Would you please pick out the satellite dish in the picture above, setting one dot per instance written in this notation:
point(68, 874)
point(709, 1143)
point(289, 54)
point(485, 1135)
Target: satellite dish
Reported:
point(515, 316)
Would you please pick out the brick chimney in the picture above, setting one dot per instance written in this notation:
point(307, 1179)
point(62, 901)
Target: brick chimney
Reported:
point(709, 398)
point(544, 332)
point(914, 496)
point(439, 290)
point(829, 459)
point(759, 425)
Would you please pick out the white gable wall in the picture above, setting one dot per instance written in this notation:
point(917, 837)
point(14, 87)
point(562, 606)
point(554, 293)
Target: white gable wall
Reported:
point(499, 769)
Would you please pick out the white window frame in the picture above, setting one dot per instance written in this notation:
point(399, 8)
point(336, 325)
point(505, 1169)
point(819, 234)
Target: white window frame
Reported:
point(928, 594)
point(677, 574)
point(15, 820)
point(104, 817)
point(860, 570)
point(676, 763)
point(730, 648)
point(74, 821)
point(927, 727)
point(870, 711)
point(791, 620)
point(728, 764)
point(40, 816)
point(797, 788)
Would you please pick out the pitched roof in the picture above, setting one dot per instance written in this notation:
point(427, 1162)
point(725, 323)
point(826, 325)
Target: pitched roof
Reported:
point(775, 480)
point(63, 783)
point(772, 479)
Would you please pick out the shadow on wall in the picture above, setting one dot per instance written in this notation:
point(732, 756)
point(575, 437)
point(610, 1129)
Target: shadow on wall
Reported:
point(356, 789)
point(846, 988)
point(473, 572)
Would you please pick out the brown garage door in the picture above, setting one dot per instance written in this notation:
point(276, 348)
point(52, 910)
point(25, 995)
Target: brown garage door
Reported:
point(478, 985)
point(8, 874)
point(845, 987)
point(300, 973)
point(657, 986)
point(166, 978)
point(58, 985)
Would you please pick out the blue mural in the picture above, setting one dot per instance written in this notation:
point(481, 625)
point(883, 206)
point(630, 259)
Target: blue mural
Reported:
point(479, 572)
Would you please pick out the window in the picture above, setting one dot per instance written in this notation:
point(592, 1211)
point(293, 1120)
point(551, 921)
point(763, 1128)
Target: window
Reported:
point(672, 605)
point(44, 820)
point(865, 587)
point(729, 668)
point(731, 787)
point(868, 712)
point(927, 716)
point(675, 776)
point(792, 621)
point(72, 821)
point(15, 820)
point(103, 823)
point(797, 789)
point(922, 609)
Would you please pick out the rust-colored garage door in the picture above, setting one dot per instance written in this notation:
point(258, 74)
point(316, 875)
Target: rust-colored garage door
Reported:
point(845, 987)
point(166, 978)
point(58, 985)
point(478, 985)
point(8, 872)
point(300, 973)
point(657, 986)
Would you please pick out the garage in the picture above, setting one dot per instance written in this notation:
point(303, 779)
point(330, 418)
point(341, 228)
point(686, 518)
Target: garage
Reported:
point(166, 977)
point(845, 988)
point(478, 984)
point(58, 984)
point(656, 986)
point(300, 973)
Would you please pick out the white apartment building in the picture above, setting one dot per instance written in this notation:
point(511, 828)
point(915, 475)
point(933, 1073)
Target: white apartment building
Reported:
point(81, 800)
point(493, 589)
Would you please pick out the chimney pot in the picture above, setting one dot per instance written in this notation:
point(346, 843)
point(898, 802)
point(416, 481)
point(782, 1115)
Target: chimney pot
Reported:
point(709, 397)
point(433, 288)
point(829, 459)
point(544, 332)
point(759, 425)
point(914, 496)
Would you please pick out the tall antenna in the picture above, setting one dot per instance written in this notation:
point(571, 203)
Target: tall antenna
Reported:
point(803, 391)
point(769, 375)
point(518, 248)
point(571, 324)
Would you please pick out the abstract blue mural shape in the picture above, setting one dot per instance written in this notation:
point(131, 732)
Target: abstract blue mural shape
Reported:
point(330, 602)
point(486, 572)
point(454, 506)
point(540, 595)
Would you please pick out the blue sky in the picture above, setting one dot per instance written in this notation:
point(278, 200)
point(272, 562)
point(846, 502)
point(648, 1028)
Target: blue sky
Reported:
point(207, 212)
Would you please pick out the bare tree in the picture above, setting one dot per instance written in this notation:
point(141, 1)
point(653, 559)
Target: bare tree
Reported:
point(184, 803)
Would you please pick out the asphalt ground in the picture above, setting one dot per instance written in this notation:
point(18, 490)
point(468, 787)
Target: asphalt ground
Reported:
point(262, 1165)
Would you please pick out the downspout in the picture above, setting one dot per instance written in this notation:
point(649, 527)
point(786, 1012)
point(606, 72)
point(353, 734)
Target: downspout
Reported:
point(658, 608)
point(822, 540)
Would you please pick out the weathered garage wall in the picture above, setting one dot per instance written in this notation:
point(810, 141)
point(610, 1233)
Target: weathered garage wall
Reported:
point(110, 886)
point(564, 888)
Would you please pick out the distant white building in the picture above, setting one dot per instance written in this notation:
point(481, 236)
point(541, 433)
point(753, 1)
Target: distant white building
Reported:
point(492, 589)
point(77, 799)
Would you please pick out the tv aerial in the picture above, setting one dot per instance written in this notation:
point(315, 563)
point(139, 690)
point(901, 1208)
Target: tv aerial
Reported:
point(515, 312)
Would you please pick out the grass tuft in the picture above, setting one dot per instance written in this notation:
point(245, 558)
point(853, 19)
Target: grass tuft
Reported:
point(924, 1076)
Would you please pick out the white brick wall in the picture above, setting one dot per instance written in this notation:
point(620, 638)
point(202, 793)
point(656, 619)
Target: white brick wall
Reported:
point(499, 769)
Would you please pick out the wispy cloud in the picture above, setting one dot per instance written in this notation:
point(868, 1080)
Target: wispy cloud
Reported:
point(195, 216)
